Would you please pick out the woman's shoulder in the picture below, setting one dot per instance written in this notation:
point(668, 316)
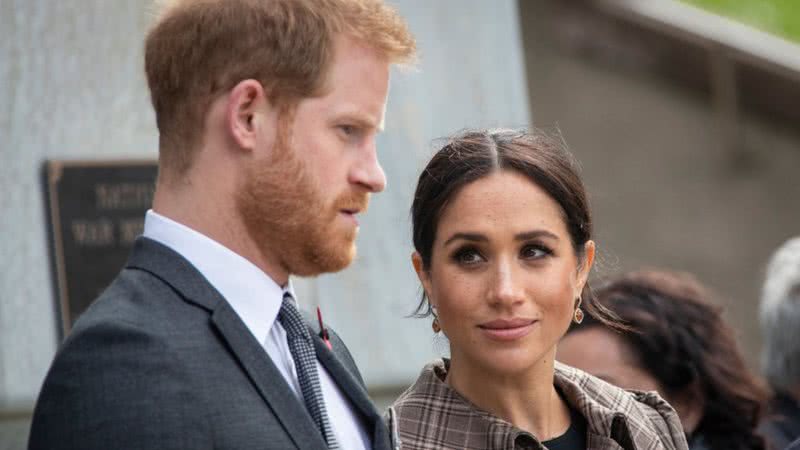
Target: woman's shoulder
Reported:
point(614, 412)
point(428, 386)
point(428, 392)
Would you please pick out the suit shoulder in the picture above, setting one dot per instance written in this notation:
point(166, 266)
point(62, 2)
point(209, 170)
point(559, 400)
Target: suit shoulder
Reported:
point(139, 300)
point(111, 377)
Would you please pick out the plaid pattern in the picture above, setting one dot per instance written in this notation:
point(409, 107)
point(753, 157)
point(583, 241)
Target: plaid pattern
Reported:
point(305, 362)
point(430, 415)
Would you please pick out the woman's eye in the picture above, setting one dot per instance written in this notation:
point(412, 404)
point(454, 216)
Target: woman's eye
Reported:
point(467, 256)
point(535, 252)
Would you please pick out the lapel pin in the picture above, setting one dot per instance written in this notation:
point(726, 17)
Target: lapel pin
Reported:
point(323, 331)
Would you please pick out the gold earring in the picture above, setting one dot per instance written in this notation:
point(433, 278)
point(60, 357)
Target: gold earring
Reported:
point(578, 316)
point(435, 325)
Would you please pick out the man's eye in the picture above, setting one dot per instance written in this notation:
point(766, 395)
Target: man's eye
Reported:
point(347, 130)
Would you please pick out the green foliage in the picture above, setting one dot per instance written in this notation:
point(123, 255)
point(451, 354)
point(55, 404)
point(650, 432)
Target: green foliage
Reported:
point(781, 17)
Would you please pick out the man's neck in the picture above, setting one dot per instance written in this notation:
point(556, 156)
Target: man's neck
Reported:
point(213, 214)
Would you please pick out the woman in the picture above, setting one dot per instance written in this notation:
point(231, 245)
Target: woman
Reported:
point(681, 347)
point(502, 234)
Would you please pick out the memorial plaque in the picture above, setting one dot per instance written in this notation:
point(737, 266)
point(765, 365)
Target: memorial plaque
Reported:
point(96, 211)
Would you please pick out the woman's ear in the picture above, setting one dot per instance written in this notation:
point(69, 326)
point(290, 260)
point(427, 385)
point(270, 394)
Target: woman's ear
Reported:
point(422, 273)
point(585, 266)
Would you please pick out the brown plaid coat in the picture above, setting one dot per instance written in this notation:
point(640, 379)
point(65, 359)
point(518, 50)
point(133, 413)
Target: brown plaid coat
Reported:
point(430, 415)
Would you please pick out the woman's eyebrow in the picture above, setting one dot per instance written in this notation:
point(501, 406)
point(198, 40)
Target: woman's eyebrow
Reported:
point(528, 235)
point(478, 237)
point(474, 237)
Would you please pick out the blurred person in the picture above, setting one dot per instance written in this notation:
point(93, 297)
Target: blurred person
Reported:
point(267, 112)
point(502, 233)
point(679, 346)
point(780, 327)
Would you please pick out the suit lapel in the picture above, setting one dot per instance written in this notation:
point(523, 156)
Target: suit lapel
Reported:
point(176, 271)
point(267, 379)
point(355, 393)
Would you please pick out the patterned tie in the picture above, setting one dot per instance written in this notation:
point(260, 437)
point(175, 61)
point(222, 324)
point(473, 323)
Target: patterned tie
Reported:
point(305, 361)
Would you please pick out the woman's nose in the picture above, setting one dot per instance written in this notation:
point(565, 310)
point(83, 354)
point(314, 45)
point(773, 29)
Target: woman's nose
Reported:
point(506, 287)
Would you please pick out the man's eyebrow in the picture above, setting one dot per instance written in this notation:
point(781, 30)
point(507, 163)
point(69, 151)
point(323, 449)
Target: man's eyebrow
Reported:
point(360, 120)
point(474, 237)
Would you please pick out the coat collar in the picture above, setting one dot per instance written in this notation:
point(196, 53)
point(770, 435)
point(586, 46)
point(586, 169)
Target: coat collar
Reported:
point(631, 419)
point(616, 419)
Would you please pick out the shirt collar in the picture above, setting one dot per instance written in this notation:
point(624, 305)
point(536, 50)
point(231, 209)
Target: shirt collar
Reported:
point(254, 296)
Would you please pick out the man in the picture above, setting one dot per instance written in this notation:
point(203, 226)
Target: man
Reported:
point(780, 327)
point(267, 112)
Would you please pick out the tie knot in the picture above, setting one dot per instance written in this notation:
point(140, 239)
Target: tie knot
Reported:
point(291, 319)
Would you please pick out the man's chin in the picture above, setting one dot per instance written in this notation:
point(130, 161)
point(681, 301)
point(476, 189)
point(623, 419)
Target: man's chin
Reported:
point(333, 260)
point(342, 259)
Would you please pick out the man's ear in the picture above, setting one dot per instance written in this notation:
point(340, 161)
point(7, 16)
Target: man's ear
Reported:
point(248, 112)
point(585, 266)
point(422, 274)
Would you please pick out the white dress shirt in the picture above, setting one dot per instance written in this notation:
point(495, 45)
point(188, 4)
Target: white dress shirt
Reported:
point(256, 298)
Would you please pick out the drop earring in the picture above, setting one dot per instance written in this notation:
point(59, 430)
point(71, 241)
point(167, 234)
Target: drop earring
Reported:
point(578, 316)
point(435, 324)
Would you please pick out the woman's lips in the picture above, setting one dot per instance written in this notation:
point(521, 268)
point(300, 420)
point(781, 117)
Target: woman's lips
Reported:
point(507, 329)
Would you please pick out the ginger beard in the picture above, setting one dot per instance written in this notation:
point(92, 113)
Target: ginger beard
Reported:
point(285, 213)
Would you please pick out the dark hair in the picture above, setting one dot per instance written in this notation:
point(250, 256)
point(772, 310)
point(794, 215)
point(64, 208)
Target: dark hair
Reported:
point(475, 154)
point(680, 338)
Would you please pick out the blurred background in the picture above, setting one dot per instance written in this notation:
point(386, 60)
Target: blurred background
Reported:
point(685, 116)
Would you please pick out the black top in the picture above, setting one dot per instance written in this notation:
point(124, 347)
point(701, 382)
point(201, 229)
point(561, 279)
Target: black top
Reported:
point(575, 436)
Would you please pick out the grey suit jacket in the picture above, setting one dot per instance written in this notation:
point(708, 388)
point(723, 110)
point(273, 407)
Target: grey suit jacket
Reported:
point(162, 361)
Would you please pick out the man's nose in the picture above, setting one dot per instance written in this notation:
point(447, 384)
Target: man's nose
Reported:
point(367, 171)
